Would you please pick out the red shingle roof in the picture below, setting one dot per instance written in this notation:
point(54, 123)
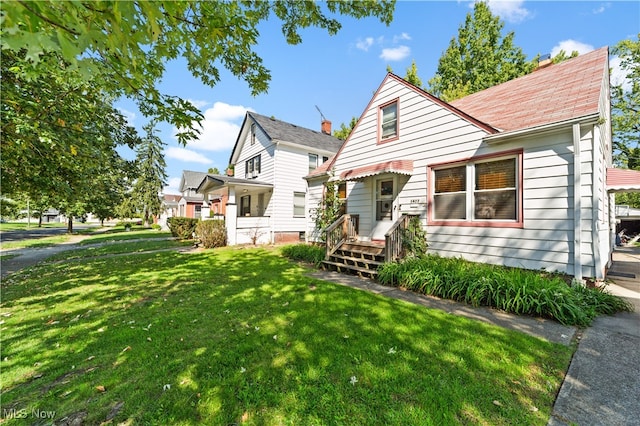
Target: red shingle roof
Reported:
point(556, 93)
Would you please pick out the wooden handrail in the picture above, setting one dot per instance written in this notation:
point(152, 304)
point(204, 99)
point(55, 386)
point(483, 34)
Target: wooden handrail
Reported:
point(393, 248)
point(343, 229)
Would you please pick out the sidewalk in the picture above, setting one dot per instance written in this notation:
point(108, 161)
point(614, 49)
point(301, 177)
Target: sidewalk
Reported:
point(602, 386)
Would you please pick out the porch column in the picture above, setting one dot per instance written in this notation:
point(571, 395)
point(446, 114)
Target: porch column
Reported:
point(231, 217)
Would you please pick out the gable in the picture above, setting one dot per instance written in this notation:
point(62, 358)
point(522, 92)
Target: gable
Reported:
point(281, 131)
point(190, 179)
point(422, 120)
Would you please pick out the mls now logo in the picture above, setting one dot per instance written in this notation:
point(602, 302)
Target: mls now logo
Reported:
point(12, 413)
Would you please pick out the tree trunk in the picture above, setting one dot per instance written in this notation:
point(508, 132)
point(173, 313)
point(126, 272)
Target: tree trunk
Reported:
point(70, 225)
point(40, 221)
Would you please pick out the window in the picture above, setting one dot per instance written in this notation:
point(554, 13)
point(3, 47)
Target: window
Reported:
point(389, 121)
point(252, 167)
point(313, 162)
point(481, 190)
point(495, 193)
point(325, 159)
point(253, 133)
point(298, 204)
point(198, 211)
point(245, 205)
point(450, 199)
point(342, 197)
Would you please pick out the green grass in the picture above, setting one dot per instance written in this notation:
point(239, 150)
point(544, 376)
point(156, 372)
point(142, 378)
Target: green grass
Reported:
point(244, 336)
point(15, 226)
point(118, 247)
point(122, 235)
point(36, 242)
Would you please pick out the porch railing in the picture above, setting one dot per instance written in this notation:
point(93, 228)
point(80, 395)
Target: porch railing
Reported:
point(393, 244)
point(343, 229)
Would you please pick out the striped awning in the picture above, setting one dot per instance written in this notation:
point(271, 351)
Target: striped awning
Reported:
point(404, 167)
point(623, 180)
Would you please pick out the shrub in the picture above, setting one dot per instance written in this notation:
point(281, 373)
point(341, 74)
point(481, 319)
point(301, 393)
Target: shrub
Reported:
point(414, 238)
point(212, 233)
point(182, 227)
point(156, 227)
point(514, 290)
point(305, 252)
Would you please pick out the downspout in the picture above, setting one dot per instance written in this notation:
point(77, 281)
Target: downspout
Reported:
point(577, 206)
point(596, 200)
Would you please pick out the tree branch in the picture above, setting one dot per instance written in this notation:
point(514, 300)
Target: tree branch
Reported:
point(44, 18)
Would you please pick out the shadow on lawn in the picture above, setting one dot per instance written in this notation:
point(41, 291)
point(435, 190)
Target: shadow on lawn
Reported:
point(244, 335)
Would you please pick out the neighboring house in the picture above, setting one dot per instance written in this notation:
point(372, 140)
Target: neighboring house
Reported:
point(514, 175)
point(191, 203)
point(169, 209)
point(267, 192)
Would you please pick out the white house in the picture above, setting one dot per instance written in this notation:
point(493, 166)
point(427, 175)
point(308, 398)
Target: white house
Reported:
point(513, 175)
point(267, 192)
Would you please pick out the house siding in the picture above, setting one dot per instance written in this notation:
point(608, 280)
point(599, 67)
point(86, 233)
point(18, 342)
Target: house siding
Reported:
point(430, 135)
point(291, 166)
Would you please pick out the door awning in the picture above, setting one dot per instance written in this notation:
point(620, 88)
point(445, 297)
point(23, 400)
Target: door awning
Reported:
point(403, 167)
point(623, 180)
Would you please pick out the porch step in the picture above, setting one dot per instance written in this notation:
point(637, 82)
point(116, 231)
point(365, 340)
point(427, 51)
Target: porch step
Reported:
point(360, 258)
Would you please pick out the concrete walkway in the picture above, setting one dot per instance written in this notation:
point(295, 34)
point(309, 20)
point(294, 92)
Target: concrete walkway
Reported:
point(602, 386)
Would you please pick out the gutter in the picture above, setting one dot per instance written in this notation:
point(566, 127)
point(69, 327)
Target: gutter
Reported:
point(506, 136)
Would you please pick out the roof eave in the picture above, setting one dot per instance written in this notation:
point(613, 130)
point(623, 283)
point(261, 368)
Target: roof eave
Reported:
point(507, 136)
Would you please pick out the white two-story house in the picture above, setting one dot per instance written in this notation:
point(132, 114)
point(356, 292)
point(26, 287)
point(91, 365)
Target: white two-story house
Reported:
point(267, 193)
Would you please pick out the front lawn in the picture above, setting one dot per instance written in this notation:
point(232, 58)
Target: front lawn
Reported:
point(232, 335)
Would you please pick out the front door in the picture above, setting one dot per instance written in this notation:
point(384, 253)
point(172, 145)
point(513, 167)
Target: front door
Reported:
point(384, 206)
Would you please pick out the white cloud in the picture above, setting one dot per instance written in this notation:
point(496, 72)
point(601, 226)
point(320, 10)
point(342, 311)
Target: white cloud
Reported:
point(569, 46)
point(198, 103)
point(403, 36)
point(220, 127)
point(509, 10)
point(619, 76)
point(364, 44)
point(128, 115)
point(173, 186)
point(396, 53)
point(601, 9)
point(186, 155)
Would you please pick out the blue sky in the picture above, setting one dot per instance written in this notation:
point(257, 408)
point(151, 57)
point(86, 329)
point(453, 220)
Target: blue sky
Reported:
point(340, 73)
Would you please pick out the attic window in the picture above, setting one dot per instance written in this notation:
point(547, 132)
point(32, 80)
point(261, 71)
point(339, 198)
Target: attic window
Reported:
point(253, 133)
point(388, 118)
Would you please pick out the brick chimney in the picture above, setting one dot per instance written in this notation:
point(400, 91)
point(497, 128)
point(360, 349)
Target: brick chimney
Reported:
point(325, 127)
point(544, 61)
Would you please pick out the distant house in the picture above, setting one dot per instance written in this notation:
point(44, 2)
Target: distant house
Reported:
point(192, 204)
point(267, 200)
point(169, 209)
point(514, 175)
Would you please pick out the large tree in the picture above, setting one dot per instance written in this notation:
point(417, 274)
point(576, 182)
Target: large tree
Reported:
point(625, 105)
point(59, 131)
point(128, 43)
point(479, 58)
point(152, 176)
